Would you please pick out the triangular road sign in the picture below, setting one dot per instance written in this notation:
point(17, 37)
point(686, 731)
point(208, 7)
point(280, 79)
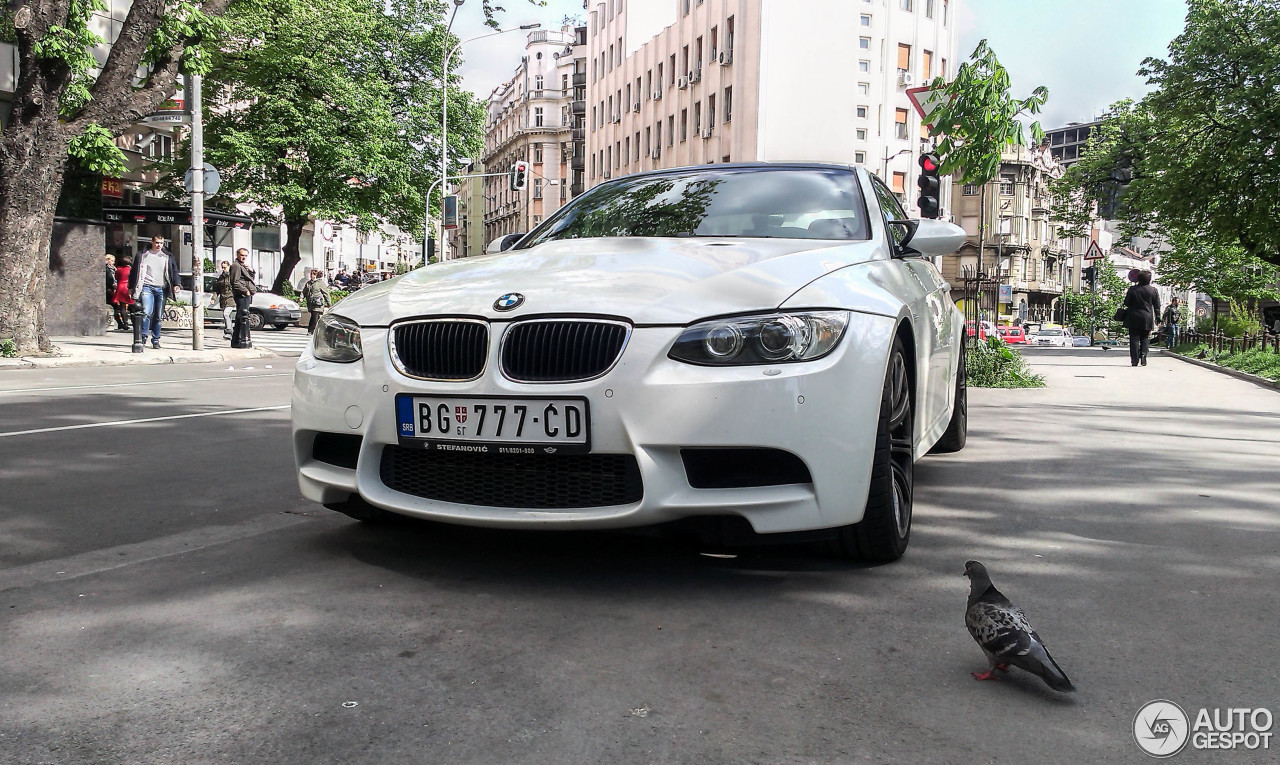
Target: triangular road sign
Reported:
point(1094, 252)
point(926, 99)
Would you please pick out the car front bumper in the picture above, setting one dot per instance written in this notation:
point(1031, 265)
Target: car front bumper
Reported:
point(281, 316)
point(648, 407)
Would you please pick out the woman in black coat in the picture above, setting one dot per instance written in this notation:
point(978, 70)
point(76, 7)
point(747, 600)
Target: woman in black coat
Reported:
point(1142, 306)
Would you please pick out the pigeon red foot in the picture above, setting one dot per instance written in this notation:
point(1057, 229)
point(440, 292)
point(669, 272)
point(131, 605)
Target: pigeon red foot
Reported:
point(988, 675)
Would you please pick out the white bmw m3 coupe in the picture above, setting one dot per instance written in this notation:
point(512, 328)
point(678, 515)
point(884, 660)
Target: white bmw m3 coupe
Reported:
point(765, 342)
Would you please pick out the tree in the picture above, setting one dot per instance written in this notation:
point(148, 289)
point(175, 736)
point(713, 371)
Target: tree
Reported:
point(980, 118)
point(61, 108)
point(1196, 158)
point(1096, 307)
point(335, 113)
point(1223, 271)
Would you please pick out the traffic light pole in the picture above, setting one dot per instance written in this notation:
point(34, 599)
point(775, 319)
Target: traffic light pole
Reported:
point(430, 190)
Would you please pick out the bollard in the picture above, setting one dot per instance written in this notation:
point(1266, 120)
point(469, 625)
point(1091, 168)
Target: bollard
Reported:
point(135, 314)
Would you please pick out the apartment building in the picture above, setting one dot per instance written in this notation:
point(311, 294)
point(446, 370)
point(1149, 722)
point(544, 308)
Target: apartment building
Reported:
point(1026, 252)
point(536, 116)
point(687, 82)
point(1068, 143)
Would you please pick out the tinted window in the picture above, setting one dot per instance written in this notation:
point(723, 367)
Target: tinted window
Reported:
point(786, 204)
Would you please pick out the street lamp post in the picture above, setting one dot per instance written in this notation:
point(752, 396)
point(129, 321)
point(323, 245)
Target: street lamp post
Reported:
point(885, 175)
point(444, 109)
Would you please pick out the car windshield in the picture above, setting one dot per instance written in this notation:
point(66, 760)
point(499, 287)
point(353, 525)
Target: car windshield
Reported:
point(1051, 332)
point(739, 202)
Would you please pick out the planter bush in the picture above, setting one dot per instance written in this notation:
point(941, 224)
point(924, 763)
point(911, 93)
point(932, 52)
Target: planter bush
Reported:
point(993, 364)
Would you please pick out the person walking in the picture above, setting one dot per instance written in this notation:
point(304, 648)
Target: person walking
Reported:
point(242, 289)
point(154, 276)
point(121, 300)
point(316, 293)
point(1141, 306)
point(1172, 318)
point(226, 298)
point(112, 279)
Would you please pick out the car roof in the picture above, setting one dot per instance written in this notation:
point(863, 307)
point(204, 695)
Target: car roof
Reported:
point(739, 166)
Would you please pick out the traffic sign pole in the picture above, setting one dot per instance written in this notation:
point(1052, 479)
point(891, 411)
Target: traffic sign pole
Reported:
point(197, 216)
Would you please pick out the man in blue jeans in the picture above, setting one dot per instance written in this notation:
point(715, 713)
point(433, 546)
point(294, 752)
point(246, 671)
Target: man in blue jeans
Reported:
point(1172, 318)
point(154, 275)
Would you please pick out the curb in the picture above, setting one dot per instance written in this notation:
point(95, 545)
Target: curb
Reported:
point(150, 358)
point(1258, 380)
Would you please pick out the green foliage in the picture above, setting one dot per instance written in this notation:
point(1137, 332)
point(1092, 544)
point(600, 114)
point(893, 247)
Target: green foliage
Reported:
point(95, 149)
point(209, 266)
point(287, 291)
point(1198, 153)
point(1257, 361)
point(71, 43)
point(1222, 270)
point(8, 349)
point(981, 118)
point(1110, 296)
point(337, 294)
point(184, 20)
point(993, 364)
point(1097, 182)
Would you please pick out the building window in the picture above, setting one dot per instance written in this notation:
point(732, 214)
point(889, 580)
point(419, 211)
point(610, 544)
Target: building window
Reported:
point(864, 66)
point(900, 124)
point(684, 59)
point(537, 188)
point(537, 82)
point(728, 104)
point(899, 183)
point(860, 157)
point(537, 154)
point(865, 19)
point(671, 130)
point(904, 4)
point(715, 38)
point(537, 116)
point(697, 47)
point(711, 112)
point(864, 43)
point(904, 58)
point(945, 8)
point(659, 80)
point(687, 4)
point(861, 133)
point(942, 68)
point(1006, 183)
point(657, 136)
point(673, 71)
point(648, 83)
point(928, 8)
point(610, 58)
point(627, 161)
point(969, 190)
point(926, 64)
point(864, 88)
point(637, 145)
point(728, 36)
point(648, 141)
point(697, 117)
point(862, 112)
point(684, 124)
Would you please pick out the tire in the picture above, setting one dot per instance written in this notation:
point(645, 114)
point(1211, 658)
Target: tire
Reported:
point(885, 529)
point(957, 433)
point(255, 321)
point(280, 327)
point(362, 511)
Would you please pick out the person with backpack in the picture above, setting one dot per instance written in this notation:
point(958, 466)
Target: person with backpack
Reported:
point(242, 289)
point(316, 294)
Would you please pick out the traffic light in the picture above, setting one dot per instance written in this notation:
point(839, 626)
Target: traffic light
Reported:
point(930, 186)
point(1090, 274)
point(519, 175)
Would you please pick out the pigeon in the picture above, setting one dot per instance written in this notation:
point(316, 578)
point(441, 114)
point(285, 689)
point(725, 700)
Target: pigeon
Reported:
point(1004, 634)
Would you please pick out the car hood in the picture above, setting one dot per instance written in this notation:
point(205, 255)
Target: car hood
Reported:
point(645, 280)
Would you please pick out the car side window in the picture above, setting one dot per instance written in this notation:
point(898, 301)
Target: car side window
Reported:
point(890, 208)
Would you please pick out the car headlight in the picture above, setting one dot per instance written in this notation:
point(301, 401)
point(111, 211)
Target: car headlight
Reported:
point(770, 339)
point(337, 339)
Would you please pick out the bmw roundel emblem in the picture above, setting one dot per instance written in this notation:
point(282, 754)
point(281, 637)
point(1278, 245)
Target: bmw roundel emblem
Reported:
point(508, 302)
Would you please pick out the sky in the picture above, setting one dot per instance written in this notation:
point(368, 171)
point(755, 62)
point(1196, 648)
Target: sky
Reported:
point(1086, 52)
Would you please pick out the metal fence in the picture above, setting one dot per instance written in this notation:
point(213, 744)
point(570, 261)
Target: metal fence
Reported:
point(1267, 341)
point(979, 292)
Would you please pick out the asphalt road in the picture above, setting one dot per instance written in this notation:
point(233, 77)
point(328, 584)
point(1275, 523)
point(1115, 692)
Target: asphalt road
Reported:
point(166, 596)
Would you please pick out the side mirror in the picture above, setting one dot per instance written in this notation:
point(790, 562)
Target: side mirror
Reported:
point(929, 237)
point(503, 243)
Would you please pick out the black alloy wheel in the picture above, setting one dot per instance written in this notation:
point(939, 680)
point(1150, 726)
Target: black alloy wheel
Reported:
point(885, 529)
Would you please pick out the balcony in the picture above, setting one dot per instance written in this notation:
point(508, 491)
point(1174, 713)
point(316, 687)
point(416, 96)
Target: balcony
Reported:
point(579, 108)
point(580, 80)
point(578, 162)
point(579, 134)
point(577, 189)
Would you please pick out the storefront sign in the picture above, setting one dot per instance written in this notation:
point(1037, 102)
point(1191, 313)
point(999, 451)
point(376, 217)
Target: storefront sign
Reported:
point(113, 188)
point(171, 112)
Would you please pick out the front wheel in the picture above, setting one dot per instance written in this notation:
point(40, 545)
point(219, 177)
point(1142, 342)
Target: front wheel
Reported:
point(255, 321)
point(885, 529)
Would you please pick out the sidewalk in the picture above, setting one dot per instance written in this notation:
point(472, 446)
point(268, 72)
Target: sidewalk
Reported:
point(115, 349)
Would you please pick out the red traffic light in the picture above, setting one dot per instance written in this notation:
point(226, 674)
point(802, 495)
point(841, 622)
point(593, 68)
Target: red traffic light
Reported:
point(930, 163)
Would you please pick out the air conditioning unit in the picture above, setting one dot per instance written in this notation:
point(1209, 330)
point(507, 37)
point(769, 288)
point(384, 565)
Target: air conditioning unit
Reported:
point(657, 153)
point(657, 94)
point(706, 132)
point(726, 57)
point(695, 75)
point(683, 83)
point(906, 79)
point(616, 119)
point(635, 107)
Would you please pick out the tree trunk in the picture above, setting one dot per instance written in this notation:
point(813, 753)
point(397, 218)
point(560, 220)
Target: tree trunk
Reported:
point(32, 162)
point(292, 254)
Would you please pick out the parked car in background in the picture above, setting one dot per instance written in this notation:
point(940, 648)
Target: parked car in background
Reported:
point(1012, 335)
point(1080, 340)
point(267, 308)
point(1053, 337)
point(985, 329)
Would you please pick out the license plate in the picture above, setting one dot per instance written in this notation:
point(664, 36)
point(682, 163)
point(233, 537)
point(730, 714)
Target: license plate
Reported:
point(494, 425)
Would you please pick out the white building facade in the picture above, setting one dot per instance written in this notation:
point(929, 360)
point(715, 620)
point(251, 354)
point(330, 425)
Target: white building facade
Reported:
point(686, 82)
